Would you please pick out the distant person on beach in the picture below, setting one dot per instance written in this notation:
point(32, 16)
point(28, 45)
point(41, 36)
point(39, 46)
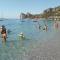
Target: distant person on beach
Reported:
point(4, 34)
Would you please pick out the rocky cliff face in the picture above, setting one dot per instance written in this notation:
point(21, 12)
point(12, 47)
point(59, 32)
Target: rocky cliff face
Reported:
point(50, 12)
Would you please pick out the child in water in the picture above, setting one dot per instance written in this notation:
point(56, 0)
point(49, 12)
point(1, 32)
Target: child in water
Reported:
point(3, 32)
point(21, 35)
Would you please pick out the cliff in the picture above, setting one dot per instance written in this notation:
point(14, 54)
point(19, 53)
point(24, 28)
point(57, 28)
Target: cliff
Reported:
point(48, 13)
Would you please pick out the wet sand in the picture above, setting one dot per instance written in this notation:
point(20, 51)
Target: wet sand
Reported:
point(48, 50)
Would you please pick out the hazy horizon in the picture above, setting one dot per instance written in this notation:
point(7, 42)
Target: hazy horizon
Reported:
point(12, 8)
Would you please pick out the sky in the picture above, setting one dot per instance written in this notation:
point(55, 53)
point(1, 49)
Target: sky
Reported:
point(13, 8)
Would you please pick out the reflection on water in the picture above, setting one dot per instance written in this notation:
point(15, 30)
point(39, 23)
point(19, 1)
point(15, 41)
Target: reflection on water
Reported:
point(15, 47)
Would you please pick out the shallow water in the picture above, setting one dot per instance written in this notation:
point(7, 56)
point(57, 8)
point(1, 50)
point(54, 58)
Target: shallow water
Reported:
point(15, 48)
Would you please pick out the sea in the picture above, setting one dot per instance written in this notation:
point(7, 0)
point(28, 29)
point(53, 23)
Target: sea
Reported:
point(16, 48)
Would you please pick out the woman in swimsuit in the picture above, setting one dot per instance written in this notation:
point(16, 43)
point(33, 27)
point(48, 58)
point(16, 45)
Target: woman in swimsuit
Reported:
point(3, 32)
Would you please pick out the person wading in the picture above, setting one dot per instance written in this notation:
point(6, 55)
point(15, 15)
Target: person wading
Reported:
point(4, 34)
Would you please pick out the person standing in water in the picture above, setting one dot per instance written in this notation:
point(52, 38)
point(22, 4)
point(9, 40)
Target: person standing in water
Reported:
point(45, 27)
point(4, 33)
point(56, 25)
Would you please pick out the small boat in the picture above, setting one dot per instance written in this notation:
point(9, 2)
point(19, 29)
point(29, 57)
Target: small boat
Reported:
point(22, 21)
point(34, 20)
point(1, 20)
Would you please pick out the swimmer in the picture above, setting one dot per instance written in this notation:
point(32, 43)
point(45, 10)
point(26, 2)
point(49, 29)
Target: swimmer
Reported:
point(21, 35)
point(8, 31)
